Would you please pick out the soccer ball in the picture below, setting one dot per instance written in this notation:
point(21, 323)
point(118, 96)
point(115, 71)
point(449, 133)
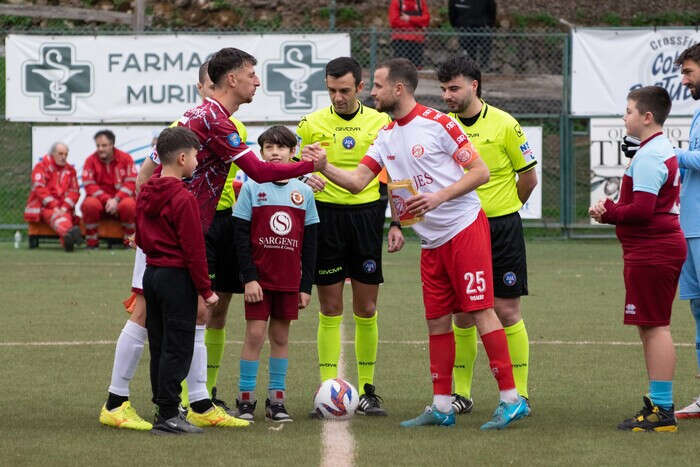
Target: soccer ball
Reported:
point(336, 399)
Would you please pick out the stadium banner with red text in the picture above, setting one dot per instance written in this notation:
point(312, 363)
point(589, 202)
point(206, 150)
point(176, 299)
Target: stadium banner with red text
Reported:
point(151, 78)
point(608, 162)
point(137, 140)
point(608, 63)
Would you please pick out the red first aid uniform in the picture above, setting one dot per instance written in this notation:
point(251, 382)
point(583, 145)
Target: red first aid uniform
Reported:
point(53, 187)
point(103, 182)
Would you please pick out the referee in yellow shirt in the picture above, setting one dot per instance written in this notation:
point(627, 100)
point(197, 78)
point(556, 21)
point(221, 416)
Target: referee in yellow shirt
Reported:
point(351, 228)
point(503, 145)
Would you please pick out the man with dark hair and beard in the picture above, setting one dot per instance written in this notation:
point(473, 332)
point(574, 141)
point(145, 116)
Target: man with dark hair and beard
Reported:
point(502, 144)
point(689, 162)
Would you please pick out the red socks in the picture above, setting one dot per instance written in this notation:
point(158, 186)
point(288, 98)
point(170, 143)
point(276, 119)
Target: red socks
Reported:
point(442, 360)
point(496, 347)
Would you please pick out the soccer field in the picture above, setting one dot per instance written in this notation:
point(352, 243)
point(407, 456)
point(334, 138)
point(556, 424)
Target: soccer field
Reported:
point(62, 314)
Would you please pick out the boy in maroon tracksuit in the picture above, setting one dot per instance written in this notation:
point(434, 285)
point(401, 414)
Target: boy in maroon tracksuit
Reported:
point(169, 232)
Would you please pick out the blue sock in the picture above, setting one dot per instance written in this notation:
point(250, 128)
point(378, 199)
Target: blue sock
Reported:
point(248, 376)
point(278, 373)
point(695, 310)
point(661, 393)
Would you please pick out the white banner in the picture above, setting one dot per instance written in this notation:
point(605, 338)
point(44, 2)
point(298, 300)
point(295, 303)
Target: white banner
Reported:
point(135, 140)
point(608, 162)
point(153, 78)
point(608, 63)
point(533, 208)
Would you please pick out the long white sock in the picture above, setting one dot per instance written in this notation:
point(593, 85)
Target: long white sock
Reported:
point(126, 357)
point(442, 402)
point(509, 396)
point(197, 377)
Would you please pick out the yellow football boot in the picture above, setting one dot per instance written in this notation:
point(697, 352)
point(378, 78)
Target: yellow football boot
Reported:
point(216, 416)
point(124, 416)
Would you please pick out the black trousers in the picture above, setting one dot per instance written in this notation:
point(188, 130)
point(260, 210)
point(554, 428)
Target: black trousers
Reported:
point(171, 314)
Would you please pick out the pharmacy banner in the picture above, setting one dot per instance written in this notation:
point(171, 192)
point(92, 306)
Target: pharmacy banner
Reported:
point(153, 78)
point(608, 162)
point(608, 63)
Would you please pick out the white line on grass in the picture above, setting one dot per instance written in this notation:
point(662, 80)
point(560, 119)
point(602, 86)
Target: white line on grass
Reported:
point(338, 444)
point(554, 342)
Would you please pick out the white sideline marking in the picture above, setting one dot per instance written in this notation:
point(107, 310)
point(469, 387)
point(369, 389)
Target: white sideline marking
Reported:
point(338, 444)
point(554, 342)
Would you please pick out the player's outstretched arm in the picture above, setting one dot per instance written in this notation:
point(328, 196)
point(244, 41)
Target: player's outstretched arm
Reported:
point(352, 180)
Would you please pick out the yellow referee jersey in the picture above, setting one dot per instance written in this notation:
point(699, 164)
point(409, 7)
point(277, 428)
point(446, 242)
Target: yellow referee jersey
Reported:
point(346, 143)
point(503, 146)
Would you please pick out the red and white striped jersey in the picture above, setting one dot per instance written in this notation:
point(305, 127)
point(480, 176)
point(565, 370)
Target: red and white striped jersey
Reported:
point(429, 148)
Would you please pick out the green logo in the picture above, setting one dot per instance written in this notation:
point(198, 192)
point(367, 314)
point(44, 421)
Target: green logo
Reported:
point(57, 78)
point(297, 77)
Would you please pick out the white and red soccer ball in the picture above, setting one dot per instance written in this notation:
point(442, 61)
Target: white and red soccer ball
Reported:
point(336, 399)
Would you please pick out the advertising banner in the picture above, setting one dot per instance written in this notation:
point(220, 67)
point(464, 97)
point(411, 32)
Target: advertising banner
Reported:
point(153, 78)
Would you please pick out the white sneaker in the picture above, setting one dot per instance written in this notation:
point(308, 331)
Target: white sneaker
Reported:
point(692, 411)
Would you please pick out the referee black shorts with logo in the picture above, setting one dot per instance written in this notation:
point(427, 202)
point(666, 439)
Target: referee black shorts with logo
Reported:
point(349, 243)
point(508, 253)
point(221, 254)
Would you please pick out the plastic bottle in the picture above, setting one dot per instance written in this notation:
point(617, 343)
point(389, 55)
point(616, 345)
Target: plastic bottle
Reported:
point(18, 238)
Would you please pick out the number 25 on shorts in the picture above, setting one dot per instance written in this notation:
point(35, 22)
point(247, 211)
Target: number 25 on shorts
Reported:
point(476, 285)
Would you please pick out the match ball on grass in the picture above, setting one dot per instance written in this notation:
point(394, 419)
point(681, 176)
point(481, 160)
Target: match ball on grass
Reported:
point(336, 399)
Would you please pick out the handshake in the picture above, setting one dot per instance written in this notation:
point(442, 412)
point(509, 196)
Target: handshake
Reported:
point(316, 154)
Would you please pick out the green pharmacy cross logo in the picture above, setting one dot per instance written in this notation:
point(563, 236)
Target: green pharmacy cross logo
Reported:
point(296, 77)
point(56, 78)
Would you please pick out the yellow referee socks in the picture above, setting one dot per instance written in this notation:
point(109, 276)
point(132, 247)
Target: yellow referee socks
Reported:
point(215, 340)
point(366, 339)
point(465, 356)
point(328, 341)
point(519, 349)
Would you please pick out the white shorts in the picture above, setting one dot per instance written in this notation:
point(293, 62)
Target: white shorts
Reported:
point(689, 282)
point(139, 269)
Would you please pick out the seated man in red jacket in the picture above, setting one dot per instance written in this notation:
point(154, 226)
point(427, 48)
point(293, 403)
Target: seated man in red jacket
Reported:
point(54, 194)
point(109, 178)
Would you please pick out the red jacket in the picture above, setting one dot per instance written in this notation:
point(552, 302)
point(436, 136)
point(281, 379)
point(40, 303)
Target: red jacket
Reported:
point(168, 229)
point(419, 19)
point(106, 181)
point(53, 186)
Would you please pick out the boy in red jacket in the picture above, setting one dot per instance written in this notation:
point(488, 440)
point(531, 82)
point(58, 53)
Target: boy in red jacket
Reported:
point(169, 232)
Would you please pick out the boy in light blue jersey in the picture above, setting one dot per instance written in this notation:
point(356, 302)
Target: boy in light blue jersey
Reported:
point(689, 162)
point(275, 239)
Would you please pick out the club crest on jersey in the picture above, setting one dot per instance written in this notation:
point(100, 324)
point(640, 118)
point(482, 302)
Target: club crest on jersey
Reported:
point(281, 223)
point(417, 151)
point(369, 266)
point(510, 278)
point(463, 155)
point(296, 197)
point(234, 139)
point(348, 142)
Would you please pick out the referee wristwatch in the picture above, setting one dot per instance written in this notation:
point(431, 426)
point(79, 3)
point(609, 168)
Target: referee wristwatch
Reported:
point(395, 224)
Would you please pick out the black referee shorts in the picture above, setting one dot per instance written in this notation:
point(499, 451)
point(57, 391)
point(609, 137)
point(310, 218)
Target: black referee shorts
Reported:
point(508, 253)
point(221, 254)
point(349, 243)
